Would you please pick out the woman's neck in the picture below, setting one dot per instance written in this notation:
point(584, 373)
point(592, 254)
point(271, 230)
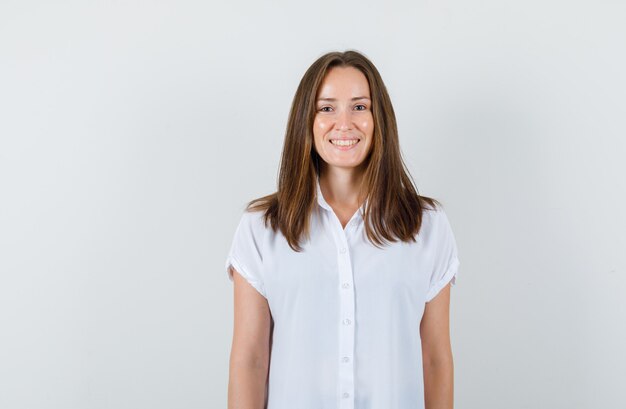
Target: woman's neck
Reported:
point(341, 187)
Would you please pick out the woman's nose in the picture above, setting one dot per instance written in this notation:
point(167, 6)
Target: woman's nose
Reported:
point(344, 120)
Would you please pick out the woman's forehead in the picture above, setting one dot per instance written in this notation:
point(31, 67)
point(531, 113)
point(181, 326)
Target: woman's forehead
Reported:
point(345, 82)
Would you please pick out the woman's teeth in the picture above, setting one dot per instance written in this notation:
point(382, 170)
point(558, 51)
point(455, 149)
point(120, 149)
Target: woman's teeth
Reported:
point(343, 142)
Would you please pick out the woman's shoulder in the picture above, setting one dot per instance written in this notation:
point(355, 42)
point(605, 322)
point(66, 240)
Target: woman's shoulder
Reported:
point(255, 223)
point(432, 213)
point(252, 218)
point(435, 222)
point(432, 217)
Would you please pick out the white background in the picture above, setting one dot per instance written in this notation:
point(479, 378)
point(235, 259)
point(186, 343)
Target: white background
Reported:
point(133, 133)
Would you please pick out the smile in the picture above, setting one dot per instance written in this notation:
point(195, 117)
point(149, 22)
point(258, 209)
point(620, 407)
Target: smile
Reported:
point(344, 142)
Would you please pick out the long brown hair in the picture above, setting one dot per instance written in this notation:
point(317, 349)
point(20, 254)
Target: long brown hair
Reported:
point(394, 207)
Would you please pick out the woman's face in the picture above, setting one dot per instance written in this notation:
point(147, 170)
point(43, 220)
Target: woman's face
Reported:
point(344, 125)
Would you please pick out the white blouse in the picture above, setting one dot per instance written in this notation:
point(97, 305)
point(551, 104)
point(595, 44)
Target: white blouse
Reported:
point(346, 314)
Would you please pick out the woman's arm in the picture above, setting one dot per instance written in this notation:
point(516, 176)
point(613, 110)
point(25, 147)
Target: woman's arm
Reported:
point(249, 356)
point(437, 352)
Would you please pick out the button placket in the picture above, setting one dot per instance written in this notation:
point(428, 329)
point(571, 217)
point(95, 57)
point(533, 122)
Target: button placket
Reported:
point(346, 301)
point(347, 327)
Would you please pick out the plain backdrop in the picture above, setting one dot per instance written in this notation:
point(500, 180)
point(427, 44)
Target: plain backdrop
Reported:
point(133, 133)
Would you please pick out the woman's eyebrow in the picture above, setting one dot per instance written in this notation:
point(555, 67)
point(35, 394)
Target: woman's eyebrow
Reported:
point(335, 99)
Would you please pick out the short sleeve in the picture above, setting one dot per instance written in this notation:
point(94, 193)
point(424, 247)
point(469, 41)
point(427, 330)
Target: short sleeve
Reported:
point(245, 253)
point(446, 261)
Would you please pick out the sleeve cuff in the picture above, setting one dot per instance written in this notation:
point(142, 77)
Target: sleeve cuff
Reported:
point(448, 277)
point(232, 260)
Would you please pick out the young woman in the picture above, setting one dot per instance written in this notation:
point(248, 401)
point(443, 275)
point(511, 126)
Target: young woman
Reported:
point(342, 277)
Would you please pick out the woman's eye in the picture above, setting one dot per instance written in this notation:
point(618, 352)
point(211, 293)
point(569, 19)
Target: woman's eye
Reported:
point(323, 109)
point(361, 105)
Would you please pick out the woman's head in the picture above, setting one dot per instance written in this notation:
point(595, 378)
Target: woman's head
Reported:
point(314, 122)
point(323, 110)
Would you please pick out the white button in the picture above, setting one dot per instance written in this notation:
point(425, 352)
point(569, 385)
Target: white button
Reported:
point(342, 250)
point(345, 395)
point(346, 321)
point(345, 285)
point(345, 359)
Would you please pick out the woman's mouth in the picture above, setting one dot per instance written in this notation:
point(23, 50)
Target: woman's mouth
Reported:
point(344, 144)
